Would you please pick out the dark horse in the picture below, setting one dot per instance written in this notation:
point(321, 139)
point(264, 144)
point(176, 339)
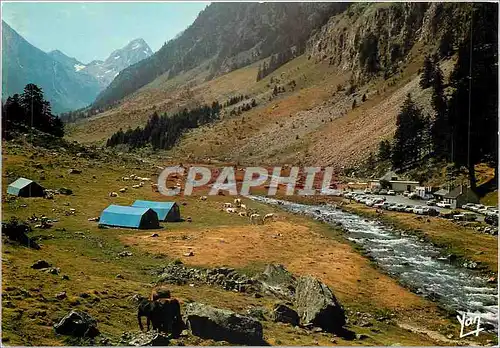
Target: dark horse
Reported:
point(164, 314)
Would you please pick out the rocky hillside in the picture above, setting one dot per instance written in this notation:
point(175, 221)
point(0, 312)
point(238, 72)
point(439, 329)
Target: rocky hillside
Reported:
point(378, 38)
point(229, 36)
point(330, 106)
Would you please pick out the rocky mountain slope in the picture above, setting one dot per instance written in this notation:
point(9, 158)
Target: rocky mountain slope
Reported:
point(23, 63)
point(369, 55)
point(105, 71)
point(229, 36)
point(67, 83)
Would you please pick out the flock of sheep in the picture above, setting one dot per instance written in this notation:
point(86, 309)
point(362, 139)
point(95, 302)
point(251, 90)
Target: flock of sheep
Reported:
point(141, 183)
point(241, 209)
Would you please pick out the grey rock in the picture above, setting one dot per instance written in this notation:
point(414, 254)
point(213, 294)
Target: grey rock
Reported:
point(222, 325)
point(278, 281)
point(317, 306)
point(78, 324)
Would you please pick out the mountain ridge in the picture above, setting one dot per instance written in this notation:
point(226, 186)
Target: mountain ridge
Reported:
point(67, 83)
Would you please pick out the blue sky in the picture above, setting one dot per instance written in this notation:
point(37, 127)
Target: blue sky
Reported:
point(92, 30)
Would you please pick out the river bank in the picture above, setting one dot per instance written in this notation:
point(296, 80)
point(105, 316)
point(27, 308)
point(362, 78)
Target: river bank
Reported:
point(416, 263)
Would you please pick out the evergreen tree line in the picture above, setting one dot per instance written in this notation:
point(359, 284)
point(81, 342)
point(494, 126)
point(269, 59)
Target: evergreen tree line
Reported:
point(275, 62)
point(75, 115)
point(235, 100)
point(464, 127)
point(29, 109)
point(245, 107)
point(162, 132)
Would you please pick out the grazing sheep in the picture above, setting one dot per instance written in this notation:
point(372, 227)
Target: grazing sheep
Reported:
point(141, 184)
point(125, 178)
point(243, 213)
point(237, 202)
point(113, 194)
point(203, 198)
point(254, 218)
point(228, 205)
point(230, 210)
point(122, 190)
point(243, 206)
point(268, 216)
point(136, 186)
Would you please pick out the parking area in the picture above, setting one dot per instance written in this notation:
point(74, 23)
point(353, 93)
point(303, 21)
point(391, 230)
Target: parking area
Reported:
point(400, 199)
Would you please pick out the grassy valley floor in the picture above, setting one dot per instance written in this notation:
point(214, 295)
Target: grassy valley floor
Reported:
point(89, 257)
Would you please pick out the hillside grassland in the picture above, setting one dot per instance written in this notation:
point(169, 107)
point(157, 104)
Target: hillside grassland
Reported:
point(312, 122)
point(89, 257)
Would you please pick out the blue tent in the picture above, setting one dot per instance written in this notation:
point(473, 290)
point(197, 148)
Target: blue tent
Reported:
point(25, 188)
point(167, 211)
point(132, 217)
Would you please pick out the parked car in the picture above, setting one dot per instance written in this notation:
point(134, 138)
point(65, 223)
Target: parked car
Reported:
point(392, 206)
point(391, 193)
point(418, 210)
point(493, 212)
point(483, 211)
point(444, 205)
point(413, 195)
point(383, 192)
point(387, 205)
point(431, 202)
point(459, 217)
point(477, 207)
point(431, 212)
point(408, 209)
point(470, 217)
point(400, 207)
point(406, 193)
point(467, 206)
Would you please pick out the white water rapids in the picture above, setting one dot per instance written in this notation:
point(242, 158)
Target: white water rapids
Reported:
point(415, 263)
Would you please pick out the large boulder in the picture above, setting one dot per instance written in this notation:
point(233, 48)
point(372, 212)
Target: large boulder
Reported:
point(278, 281)
point(78, 324)
point(285, 314)
point(222, 325)
point(317, 306)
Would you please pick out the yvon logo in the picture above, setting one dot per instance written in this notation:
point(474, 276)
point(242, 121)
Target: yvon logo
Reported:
point(469, 321)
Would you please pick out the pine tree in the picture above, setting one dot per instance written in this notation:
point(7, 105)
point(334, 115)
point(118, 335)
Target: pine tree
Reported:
point(384, 150)
point(440, 129)
point(426, 78)
point(475, 138)
point(408, 139)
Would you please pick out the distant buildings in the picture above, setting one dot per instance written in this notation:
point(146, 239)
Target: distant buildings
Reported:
point(394, 182)
point(460, 195)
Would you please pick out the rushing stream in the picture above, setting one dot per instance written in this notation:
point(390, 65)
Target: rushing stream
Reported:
point(416, 264)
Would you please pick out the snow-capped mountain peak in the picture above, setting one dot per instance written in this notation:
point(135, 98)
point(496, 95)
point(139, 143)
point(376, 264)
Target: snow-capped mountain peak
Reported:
point(135, 51)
